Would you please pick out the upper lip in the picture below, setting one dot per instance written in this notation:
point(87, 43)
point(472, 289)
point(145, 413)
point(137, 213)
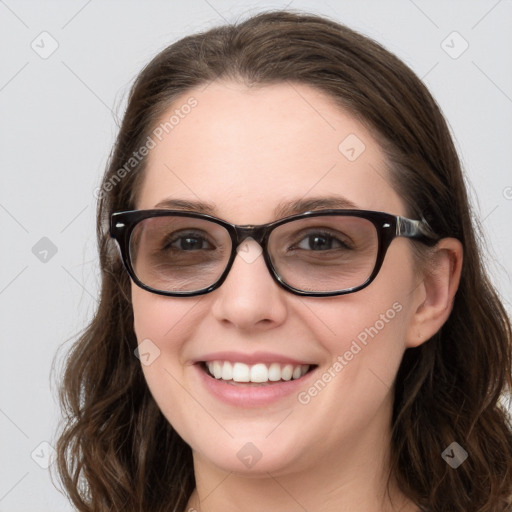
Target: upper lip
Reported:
point(254, 358)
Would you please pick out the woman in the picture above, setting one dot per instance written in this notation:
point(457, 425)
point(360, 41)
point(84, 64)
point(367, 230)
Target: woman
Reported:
point(297, 317)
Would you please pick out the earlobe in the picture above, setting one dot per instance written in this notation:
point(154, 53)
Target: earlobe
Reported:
point(438, 288)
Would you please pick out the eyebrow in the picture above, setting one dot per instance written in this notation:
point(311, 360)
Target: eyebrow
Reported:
point(183, 204)
point(286, 208)
point(283, 209)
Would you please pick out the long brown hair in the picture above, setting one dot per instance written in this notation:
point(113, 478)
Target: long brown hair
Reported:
point(117, 452)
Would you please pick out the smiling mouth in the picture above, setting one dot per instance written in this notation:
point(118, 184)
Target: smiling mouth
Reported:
point(260, 373)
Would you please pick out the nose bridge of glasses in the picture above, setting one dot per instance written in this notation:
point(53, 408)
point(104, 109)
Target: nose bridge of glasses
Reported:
point(257, 233)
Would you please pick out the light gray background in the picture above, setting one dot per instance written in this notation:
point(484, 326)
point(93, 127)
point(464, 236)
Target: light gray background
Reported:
point(58, 122)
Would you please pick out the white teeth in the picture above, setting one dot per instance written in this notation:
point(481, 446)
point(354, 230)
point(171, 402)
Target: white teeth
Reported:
point(217, 369)
point(287, 372)
point(227, 371)
point(274, 372)
point(241, 372)
point(258, 373)
point(297, 372)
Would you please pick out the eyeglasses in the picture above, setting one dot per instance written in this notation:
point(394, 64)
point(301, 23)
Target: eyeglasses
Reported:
point(317, 253)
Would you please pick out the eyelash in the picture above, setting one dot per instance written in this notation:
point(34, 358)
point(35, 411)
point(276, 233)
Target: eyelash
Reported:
point(302, 236)
point(175, 236)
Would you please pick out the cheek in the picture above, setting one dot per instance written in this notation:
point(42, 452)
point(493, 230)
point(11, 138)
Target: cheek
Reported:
point(161, 318)
point(359, 333)
point(365, 334)
point(364, 337)
point(161, 326)
point(375, 317)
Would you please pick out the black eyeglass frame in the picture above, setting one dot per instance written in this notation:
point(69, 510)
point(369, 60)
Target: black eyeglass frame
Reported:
point(387, 226)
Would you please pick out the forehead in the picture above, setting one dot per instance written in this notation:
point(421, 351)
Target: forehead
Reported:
point(248, 150)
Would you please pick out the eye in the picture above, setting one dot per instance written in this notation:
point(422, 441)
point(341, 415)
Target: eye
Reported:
point(321, 242)
point(183, 241)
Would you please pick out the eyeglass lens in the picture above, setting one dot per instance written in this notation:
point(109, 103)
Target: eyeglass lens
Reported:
point(317, 254)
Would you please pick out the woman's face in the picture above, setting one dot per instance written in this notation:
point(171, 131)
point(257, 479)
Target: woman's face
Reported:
point(254, 155)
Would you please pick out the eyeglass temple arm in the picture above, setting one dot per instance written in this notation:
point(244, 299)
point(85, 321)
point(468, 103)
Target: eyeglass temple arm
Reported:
point(418, 229)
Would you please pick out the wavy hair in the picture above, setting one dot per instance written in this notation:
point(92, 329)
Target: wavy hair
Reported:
point(116, 451)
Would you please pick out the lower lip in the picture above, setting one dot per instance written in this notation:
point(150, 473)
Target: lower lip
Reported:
point(240, 395)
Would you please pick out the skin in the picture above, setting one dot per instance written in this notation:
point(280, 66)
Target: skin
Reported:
point(246, 151)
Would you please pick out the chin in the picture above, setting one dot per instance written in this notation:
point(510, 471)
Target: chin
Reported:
point(251, 459)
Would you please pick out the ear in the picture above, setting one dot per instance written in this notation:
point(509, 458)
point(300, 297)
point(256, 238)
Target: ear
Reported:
point(436, 292)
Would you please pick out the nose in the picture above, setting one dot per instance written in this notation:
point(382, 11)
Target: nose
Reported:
point(249, 298)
